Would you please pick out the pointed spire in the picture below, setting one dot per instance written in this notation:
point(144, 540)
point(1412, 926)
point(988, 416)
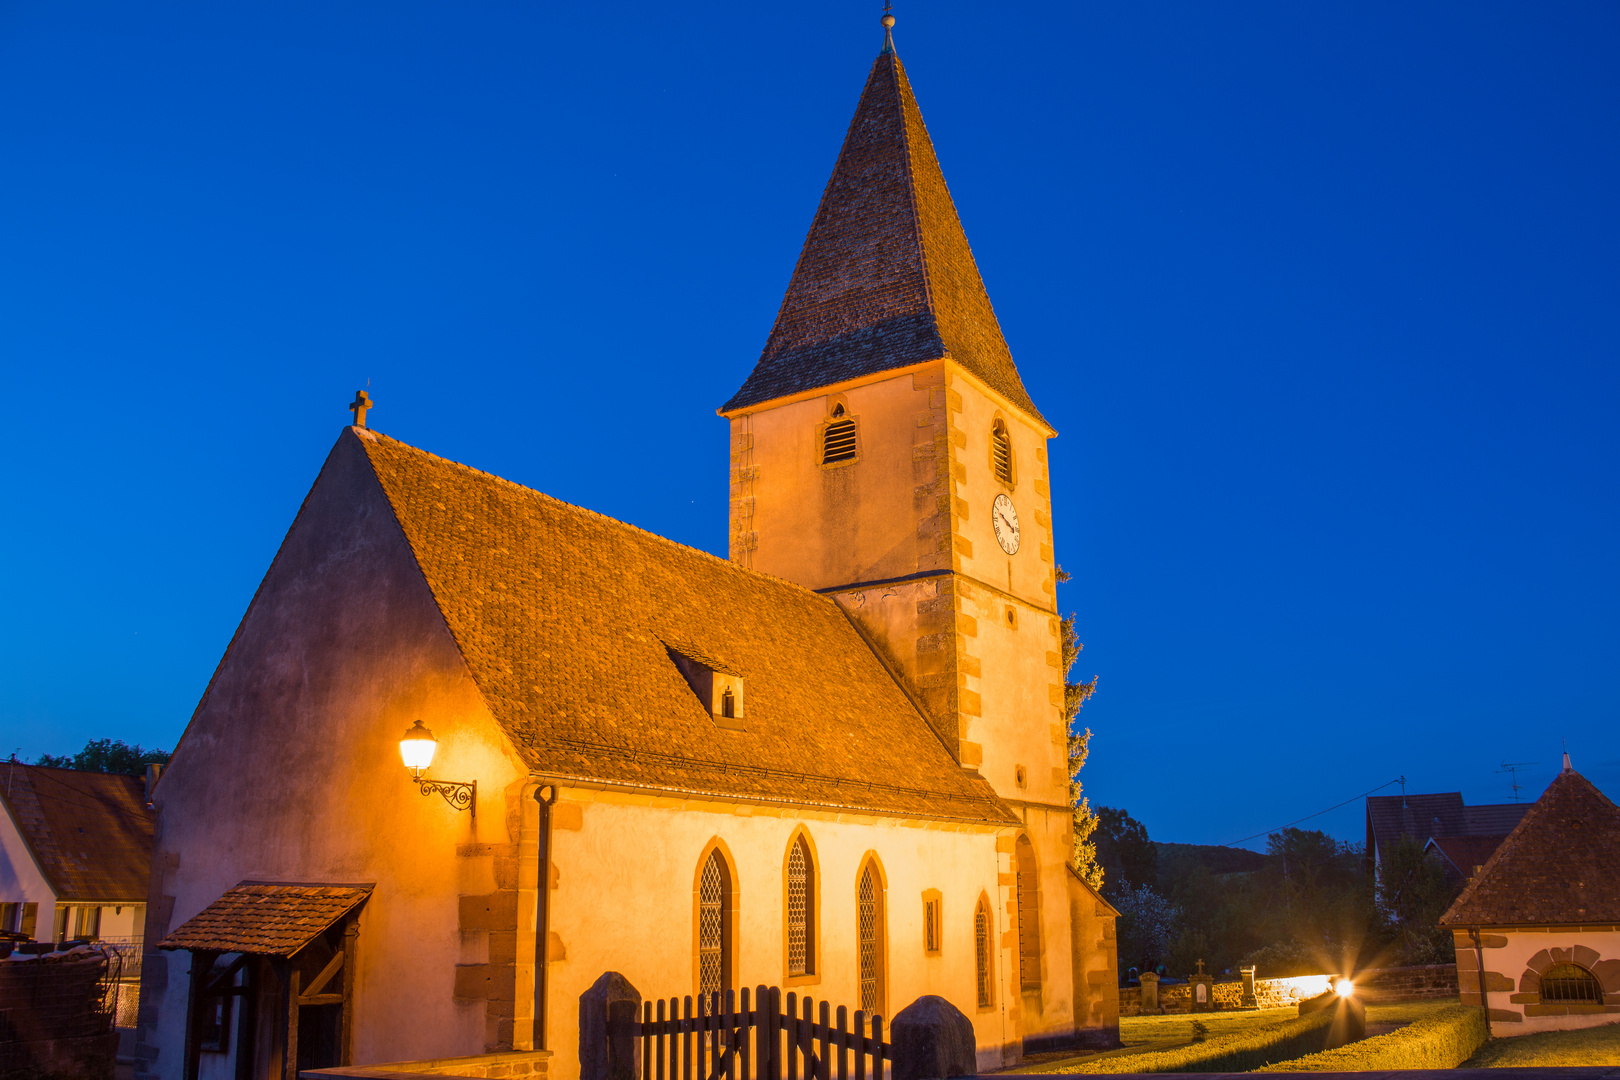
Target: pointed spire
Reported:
point(1567, 766)
point(886, 278)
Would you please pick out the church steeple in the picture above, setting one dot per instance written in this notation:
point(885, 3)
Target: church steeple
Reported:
point(886, 279)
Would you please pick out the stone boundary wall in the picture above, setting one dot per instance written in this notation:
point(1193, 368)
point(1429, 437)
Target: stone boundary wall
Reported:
point(1379, 984)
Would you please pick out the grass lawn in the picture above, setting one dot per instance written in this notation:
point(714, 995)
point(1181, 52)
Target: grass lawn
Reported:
point(1585, 1046)
point(1144, 1034)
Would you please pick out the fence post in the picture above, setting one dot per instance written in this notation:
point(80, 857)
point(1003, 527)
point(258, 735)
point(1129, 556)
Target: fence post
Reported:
point(608, 1047)
point(931, 1039)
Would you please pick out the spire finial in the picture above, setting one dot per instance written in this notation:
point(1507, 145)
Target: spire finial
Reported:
point(888, 26)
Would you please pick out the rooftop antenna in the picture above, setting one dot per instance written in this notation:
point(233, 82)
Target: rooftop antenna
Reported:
point(1402, 782)
point(1512, 768)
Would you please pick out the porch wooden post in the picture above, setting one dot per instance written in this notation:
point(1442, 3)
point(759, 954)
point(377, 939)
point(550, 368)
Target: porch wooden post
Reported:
point(289, 1045)
point(202, 963)
point(351, 941)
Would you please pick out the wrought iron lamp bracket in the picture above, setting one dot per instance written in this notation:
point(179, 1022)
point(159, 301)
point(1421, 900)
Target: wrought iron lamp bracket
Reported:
point(460, 795)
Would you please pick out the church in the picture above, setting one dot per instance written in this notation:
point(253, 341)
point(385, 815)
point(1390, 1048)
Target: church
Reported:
point(472, 747)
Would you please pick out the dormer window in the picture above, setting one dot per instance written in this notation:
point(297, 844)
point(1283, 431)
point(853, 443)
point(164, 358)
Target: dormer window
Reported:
point(1001, 453)
point(838, 438)
point(719, 690)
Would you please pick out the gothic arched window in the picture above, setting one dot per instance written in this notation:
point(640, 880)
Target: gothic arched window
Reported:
point(870, 937)
point(714, 925)
point(1570, 984)
point(838, 438)
point(981, 952)
point(1001, 454)
point(801, 909)
point(1029, 917)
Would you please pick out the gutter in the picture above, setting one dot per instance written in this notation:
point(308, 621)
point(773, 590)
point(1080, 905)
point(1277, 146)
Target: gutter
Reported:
point(1479, 958)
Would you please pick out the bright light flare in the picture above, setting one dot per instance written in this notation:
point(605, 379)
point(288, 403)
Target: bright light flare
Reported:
point(416, 748)
point(1345, 989)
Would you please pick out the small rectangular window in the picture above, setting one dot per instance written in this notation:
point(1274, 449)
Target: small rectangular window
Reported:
point(931, 926)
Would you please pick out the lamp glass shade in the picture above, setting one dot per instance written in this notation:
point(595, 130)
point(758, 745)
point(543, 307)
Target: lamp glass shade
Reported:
point(417, 747)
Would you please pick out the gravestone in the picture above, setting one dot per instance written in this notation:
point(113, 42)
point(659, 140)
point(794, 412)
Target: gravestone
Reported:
point(1250, 1000)
point(610, 1005)
point(1203, 989)
point(1150, 992)
point(932, 1040)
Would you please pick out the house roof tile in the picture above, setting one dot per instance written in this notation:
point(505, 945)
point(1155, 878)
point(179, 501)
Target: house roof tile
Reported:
point(886, 278)
point(566, 618)
point(267, 919)
point(90, 833)
point(1560, 866)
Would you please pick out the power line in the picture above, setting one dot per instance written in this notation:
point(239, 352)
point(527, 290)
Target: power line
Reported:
point(1318, 814)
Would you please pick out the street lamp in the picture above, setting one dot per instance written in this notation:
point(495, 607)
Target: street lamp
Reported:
point(416, 750)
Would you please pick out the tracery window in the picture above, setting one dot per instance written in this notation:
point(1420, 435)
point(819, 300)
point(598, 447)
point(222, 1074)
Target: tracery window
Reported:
point(1001, 455)
point(981, 952)
point(869, 938)
point(838, 438)
point(714, 929)
point(1570, 984)
point(1029, 917)
point(801, 945)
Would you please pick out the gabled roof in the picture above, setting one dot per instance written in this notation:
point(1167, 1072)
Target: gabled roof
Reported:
point(1419, 816)
point(267, 919)
point(1463, 853)
point(1560, 866)
point(565, 619)
point(90, 833)
point(886, 278)
point(1496, 819)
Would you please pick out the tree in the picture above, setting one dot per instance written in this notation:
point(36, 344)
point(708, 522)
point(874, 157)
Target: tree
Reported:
point(1413, 892)
point(108, 756)
point(1123, 849)
point(1147, 925)
point(1084, 854)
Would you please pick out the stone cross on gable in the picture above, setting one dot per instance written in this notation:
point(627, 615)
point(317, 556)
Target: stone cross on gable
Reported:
point(362, 401)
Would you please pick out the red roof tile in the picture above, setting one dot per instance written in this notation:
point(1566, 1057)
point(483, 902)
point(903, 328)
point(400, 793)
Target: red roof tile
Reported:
point(267, 919)
point(89, 832)
point(886, 278)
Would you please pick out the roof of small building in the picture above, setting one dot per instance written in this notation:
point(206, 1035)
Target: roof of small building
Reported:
point(566, 619)
point(886, 278)
point(266, 918)
point(90, 833)
point(1464, 853)
point(1560, 866)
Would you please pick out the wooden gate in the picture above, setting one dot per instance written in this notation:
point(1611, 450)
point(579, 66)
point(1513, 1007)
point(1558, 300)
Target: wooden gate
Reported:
point(754, 1037)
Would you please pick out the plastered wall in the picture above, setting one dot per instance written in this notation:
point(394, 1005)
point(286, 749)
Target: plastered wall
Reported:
point(1514, 960)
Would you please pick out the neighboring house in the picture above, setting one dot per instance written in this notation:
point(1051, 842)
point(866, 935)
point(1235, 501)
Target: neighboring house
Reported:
point(1443, 815)
point(836, 763)
point(75, 854)
point(1462, 856)
point(1543, 913)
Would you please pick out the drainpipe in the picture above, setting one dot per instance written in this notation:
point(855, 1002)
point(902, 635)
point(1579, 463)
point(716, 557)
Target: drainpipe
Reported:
point(545, 796)
point(1479, 958)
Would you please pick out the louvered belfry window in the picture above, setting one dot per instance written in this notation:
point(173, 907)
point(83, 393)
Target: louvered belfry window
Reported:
point(801, 946)
point(838, 438)
point(1001, 452)
point(1029, 923)
point(1571, 984)
point(868, 936)
point(712, 919)
point(981, 954)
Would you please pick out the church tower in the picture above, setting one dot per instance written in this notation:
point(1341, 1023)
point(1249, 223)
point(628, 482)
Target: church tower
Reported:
point(885, 452)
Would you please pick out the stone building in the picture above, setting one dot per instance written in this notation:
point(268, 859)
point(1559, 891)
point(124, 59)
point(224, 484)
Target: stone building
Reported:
point(1538, 924)
point(835, 763)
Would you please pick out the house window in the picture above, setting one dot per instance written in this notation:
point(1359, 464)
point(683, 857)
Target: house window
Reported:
point(981, 952)
point(1001, 455)
point(728, 704)
point(1570, 984)
point(838, 438)
point(800, 910)
point(931, 924)
point(869, 938)
point(1029, 917)
point(714, 925)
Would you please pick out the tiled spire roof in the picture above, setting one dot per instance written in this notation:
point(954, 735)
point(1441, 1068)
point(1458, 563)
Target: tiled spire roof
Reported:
point(886, 278)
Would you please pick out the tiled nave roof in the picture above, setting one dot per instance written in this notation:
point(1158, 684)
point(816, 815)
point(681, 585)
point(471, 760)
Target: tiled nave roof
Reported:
point(886, 278)
point(565, 618)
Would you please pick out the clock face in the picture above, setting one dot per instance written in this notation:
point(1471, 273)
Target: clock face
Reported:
point(1005, 520)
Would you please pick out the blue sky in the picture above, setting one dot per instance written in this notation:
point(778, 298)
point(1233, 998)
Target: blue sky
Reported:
point(1322, 299)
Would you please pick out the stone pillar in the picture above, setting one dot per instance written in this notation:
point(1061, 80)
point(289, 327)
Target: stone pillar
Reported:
point(608, 1008)
point(1150, 992)
point(1250, 1000)
point(932, 1040)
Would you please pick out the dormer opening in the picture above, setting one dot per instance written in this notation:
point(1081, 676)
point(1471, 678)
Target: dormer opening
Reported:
point(719, 690)
point(728, 704)
point(1001, 453)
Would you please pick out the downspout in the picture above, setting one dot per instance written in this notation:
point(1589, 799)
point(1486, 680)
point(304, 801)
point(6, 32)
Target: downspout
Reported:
point(545, 796)
point(1479, 958)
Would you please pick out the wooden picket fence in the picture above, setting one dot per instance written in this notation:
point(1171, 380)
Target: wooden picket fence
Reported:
point(733, 1036)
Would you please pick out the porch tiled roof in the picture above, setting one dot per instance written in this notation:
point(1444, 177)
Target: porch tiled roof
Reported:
point(267, 919)
point(1560, 866)
point(566, 617)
